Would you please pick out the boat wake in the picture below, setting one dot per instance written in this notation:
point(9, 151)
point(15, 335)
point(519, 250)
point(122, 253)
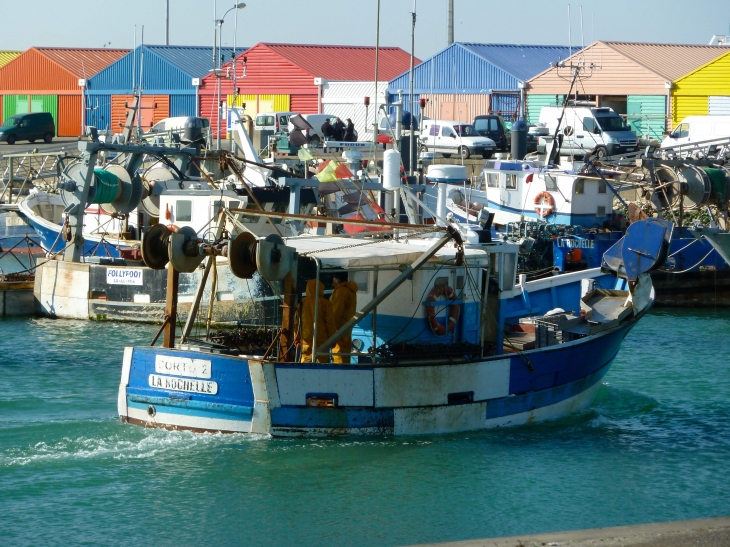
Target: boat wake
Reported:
point(109, 445)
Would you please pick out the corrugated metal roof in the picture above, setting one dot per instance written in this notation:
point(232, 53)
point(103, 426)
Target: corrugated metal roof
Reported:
point(521, 61)
point(671, 61)
point(7, 56)
point(166, 69)
point(196, 61)
point(345, 62)
point(467, 67)
point(82, 62)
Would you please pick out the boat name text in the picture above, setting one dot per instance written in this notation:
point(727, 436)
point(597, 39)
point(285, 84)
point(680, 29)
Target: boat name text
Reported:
point(123, 276)
point(576, 243)
point(206, 387)
point(184, 366)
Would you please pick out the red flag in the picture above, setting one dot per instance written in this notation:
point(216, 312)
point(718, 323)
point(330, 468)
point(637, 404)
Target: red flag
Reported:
point(342, 172)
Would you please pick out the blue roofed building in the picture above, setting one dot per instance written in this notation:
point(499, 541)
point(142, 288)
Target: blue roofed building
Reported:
point(168, 76)
point(468, 79)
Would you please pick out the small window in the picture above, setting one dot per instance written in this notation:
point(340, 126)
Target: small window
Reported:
point(579, 186)
point(283, 120)
point(441, 281)
point(551, 183)
point(493, 126)
point(184, 211)
point(601, 211)
point(511, 182)
point(589, 124)
point(482, 124)
point(682, 131)
point(434, 131)
point(233, 204)
point(362, 279)
point(446, 131)
point(601, 187)
point(493, 180)
point(459, 282)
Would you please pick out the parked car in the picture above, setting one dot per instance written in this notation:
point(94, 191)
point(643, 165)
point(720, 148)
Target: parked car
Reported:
point(590, 130)
point(28, 127)
point(451, 137)
point(493, 127)
point(695, 129)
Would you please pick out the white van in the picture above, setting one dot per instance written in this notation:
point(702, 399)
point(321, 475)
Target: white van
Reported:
point(451, 137)
point(272, 121)
point(589, 129)
point(694, 129)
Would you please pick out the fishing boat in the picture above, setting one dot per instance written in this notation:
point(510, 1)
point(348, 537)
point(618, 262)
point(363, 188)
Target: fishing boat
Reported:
point(564, 218)
point(447, 336)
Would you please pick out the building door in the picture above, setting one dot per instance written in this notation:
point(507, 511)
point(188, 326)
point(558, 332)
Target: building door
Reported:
point(147, 112)
point(455, 111)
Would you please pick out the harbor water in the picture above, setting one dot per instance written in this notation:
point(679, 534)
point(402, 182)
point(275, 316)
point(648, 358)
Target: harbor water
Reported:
point(654, 447)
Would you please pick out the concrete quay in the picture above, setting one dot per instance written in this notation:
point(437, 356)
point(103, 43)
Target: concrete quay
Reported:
point(713, 532)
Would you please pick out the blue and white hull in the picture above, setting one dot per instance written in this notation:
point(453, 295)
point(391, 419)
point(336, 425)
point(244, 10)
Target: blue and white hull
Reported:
point(44, 212)
point(244, 395)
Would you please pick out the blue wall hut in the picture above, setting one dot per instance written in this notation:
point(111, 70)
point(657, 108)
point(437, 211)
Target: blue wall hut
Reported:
point(468, 79)
point(170, 77)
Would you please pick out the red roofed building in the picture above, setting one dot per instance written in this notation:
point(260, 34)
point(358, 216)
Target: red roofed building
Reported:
point(281, 77)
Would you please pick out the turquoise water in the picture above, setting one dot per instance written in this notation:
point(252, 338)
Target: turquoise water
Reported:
point(11, 263)
point(654, 447)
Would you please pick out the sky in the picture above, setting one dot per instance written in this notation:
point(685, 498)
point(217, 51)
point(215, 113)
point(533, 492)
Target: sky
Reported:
point(99, 23)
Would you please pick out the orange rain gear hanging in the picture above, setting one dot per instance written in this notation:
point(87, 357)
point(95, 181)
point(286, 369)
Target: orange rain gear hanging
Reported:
point(325, 322)
point(344, 305)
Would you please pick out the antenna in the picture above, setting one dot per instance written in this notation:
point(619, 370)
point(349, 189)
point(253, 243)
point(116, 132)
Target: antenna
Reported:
point(570, 40)
point(582, 43)
point(450, 24)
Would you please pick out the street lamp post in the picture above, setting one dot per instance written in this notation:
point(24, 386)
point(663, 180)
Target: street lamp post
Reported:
point(217, 66)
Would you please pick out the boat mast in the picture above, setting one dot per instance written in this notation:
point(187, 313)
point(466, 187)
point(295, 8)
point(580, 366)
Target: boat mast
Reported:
point(410, 96)
point(375, 109)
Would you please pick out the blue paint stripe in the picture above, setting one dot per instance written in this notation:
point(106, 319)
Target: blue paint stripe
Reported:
point(193, 412)
point(516, 404)
point(331, 417)
point(192, 405)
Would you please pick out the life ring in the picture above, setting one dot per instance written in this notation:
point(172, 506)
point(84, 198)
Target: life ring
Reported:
point(544, 204)
point(437, 328)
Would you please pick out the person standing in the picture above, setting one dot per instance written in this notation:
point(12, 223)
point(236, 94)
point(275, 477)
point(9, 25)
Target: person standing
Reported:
point(350, 131)
point(344, 306)
point(325, 322)
point(327, 130)
point(339, 130)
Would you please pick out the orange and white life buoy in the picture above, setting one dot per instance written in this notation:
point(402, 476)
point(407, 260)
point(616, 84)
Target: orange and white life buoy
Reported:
point(544, 204)
point(437, 328)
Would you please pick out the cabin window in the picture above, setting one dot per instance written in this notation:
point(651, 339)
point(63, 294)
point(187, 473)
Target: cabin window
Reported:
point(362, 279)
point(511, 182)
point(589, 124)
point(601, 187)
point(493, 180)
point(441, 281)
point(184, 212)
point(551, 183)
point(459, 282)
point(580, 186)
point(601, 211)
